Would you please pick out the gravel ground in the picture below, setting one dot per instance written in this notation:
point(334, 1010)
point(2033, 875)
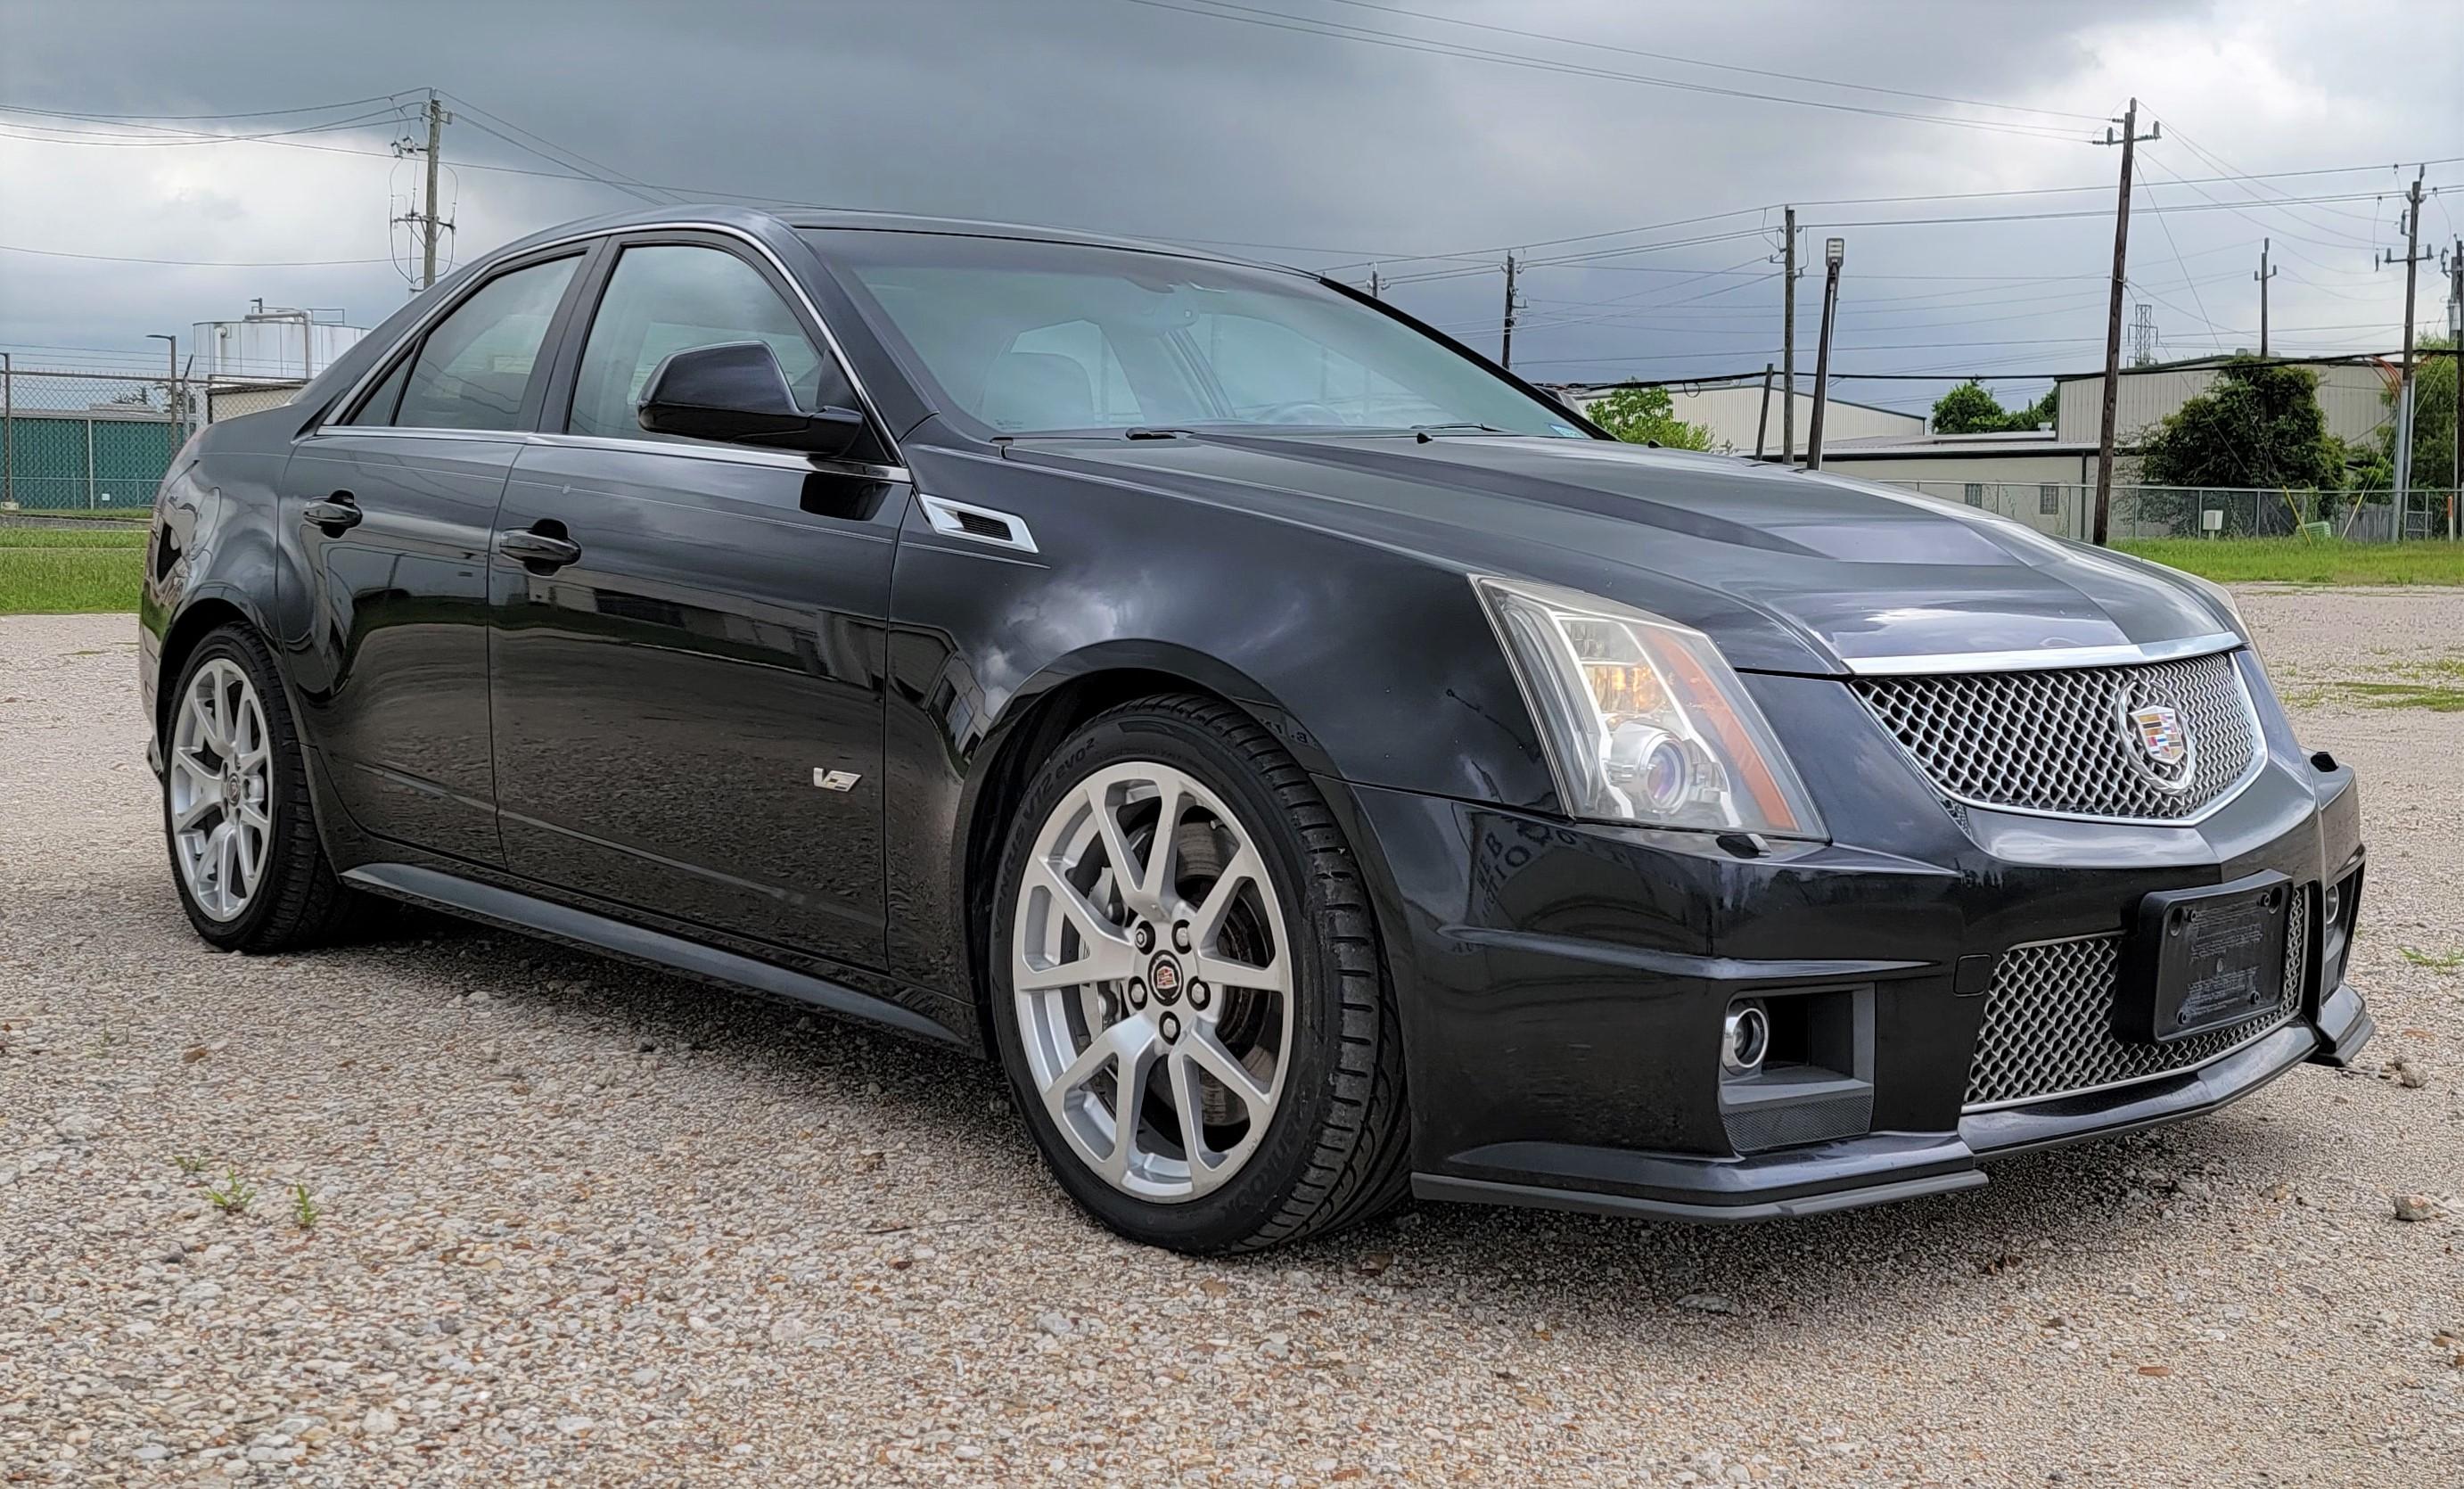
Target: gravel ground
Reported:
point(579, 1223)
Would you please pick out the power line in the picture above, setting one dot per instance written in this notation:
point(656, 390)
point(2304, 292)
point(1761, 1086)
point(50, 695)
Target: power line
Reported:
point(254, 113)
point(1282, 20)
point(1595, 45)
point(195, 263)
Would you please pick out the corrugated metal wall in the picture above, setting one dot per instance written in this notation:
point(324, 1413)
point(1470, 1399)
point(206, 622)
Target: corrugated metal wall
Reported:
point(2350, 395)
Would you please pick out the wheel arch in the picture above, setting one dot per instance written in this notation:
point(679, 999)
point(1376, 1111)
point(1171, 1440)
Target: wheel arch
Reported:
point(1042, 714)
point(200, 616)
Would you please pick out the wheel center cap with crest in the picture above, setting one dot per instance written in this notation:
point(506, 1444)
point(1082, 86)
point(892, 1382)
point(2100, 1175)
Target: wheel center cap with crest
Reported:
point(1163, 975)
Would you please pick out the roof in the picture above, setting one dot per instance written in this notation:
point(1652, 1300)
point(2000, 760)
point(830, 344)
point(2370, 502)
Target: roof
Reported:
point(1682, 390)
point(842, 219)
point(1952, 446)
point(2213, 360)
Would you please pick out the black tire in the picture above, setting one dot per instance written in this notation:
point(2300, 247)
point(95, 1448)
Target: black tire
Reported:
point(1335, 1150)
point(299, 901)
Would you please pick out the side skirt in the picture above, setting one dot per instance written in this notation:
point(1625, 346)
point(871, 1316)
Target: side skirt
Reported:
point(532, 916)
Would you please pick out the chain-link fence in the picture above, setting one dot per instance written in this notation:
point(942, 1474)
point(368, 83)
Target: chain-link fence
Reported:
point(90, 441)
point(100, 442)
point(2067, 510)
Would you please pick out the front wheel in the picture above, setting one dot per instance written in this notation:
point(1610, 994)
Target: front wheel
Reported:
point(1187, 990)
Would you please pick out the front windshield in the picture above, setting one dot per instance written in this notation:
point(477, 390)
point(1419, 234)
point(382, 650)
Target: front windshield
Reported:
point(1035, 337)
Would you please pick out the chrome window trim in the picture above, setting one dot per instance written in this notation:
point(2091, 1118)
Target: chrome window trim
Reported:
point(2258, 759)
point(943, 514)
point(436, 312)
point(2291, 1016)
point(2043, 660)
point(731, 454)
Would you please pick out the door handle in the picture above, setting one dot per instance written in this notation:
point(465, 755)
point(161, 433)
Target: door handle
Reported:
point(538, 552)
point(336, 515)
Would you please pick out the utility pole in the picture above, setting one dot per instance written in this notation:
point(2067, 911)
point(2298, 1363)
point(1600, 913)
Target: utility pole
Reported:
point(430, 225)
point(1788, 344)
point(1375, 284)
point(2456, 361)
point(1762, 425)
point(2131, 137)
point(2412, 258)
point(2262, 274)
point(1833, 251)
point(1505, 342)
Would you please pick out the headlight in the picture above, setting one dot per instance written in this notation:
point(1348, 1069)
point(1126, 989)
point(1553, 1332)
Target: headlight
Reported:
point(1643, 719)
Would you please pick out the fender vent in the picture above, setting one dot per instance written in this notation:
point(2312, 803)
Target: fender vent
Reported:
point(959, 520)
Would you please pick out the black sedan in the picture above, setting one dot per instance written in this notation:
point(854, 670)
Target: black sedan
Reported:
point(1315, 765)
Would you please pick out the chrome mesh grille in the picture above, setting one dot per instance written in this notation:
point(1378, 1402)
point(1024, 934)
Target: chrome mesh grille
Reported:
point(2057, 742)
point(2048, 1020)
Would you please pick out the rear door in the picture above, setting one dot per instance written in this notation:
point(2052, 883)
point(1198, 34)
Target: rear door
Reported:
point(394, 501)
point(687, 694)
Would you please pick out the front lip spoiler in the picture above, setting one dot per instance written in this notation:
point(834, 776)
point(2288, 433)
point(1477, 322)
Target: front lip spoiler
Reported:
point(1491, 1191)
point(1854, 1173)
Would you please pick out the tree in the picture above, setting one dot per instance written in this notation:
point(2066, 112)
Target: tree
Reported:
point(1972, 409)
point(2258, 425)
point(1645, 416)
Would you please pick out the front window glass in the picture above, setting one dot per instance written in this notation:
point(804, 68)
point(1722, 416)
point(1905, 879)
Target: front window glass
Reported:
point(664, 298)
point(474, 367)
point(1043, 338)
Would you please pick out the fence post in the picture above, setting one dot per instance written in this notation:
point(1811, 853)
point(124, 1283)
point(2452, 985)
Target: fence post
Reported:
point(8, 435)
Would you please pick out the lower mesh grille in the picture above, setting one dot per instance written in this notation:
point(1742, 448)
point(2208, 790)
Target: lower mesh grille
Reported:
point(2048, 1020)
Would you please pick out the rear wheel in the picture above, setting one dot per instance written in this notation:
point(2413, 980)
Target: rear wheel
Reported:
point(245, 855)
point(1188, 994)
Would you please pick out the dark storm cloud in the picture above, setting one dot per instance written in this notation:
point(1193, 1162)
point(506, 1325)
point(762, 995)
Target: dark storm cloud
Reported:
point(1146, 119)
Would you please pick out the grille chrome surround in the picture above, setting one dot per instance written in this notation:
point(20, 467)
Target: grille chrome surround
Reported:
point(2048, 1027)
point(2057, 742)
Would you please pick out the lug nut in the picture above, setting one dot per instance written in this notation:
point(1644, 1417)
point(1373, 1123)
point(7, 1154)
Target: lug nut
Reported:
point(1180, 936)
point(1198, 995)
point(1137, 993)
point(1170, 1026)
point(1145, 936)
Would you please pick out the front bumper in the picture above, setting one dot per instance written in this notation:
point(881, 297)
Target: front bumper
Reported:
point(1563, 985)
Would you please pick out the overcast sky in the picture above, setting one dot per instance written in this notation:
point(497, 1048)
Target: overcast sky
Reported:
point(1336, 131)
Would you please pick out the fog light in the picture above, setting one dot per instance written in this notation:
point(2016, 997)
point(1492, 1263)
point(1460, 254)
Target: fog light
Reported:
point(2331, 902)
point(1745, 1040)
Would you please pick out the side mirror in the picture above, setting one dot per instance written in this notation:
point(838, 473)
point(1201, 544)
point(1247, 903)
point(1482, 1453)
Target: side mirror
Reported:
point(736, 393)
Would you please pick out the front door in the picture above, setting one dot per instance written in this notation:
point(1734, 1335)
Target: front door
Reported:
point(395, 506)
point(687, 638)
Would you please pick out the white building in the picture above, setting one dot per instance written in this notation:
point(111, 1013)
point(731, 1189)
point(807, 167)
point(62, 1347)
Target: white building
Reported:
point(1734, 413)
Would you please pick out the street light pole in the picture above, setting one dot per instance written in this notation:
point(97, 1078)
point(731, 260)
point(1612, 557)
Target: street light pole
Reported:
point(1834, 249)
point(172, 382)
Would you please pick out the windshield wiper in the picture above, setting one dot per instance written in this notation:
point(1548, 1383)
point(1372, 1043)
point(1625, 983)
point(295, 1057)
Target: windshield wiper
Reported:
point(1425, 433)
point(1156, 432)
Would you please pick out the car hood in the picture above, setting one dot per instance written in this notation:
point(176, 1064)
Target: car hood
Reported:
point(1788, 571)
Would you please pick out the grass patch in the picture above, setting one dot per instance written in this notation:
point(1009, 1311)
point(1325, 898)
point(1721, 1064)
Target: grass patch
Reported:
point(86, 535)
point(52, 580)
point(2408, 695)
point(2439, 960)
point(2302, 561)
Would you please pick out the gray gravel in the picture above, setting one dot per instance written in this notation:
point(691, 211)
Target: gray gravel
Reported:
point(578, 1223)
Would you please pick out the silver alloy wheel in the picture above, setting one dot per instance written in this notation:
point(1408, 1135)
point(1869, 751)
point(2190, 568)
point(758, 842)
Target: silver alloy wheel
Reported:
point(1152, 973)
point(221, 790)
